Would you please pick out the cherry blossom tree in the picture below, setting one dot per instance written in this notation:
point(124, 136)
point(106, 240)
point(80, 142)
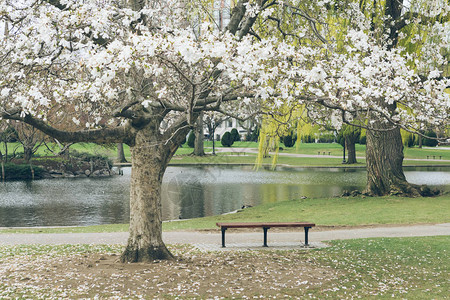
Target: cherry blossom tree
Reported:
point(142, 72)
point(145, 71)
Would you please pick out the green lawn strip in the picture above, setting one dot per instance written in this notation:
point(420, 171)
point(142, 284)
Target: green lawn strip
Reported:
point(426, 163)
point(381, 268)
point(334, 149)
point(353, 211)
point(250, 159)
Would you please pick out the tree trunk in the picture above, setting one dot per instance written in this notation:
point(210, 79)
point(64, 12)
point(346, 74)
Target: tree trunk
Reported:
point(384, 159)
point(351, 150)
point(2, 162)
point(120, 154)
point(27, 153)
point(198, 144)
point(149, 159)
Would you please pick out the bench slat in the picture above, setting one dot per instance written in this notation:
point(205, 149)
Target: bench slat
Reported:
point(265, 224)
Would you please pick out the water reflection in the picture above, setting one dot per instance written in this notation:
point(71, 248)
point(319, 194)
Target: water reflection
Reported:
point(188, 192)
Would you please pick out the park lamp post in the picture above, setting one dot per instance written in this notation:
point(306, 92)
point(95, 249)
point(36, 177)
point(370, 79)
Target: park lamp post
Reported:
point(343, 157)
point(213, 136)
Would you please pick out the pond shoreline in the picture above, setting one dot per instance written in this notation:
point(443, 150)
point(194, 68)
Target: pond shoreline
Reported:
point(343, 166)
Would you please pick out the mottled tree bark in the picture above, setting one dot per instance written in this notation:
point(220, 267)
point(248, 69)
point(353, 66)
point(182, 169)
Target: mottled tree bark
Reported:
point(351, 150)
point(27, 153)
point(150, 159)
point(384, 159)
point(198, 144)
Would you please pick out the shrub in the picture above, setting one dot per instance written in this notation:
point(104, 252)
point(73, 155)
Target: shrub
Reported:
point(21, 172)
point(430, 142)
point(191, 139)
point(289, 140)
point(227, 140)
point(253, 136)
point(235, 135)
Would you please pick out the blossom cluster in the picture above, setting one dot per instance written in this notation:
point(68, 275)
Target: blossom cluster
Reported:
point(93, 60)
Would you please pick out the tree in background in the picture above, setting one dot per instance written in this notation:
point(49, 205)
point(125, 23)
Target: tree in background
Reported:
point(380, 68)
point(120, 153)
point(351, 136)
point(30, 138)
point(199, 136)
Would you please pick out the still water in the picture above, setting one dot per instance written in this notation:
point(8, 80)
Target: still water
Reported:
point(188, 192)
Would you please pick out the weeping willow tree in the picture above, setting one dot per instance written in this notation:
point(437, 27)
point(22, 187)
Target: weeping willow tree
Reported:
point(416, 30)
point(287, 121)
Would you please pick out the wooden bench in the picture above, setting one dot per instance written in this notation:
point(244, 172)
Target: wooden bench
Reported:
point(265, 227)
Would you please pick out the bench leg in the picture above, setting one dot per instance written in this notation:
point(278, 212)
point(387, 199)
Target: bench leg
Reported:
point(306, 235)
point(265, 236)
point(223, 236)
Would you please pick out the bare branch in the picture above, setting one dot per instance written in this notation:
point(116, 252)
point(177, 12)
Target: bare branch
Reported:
point(121, 134)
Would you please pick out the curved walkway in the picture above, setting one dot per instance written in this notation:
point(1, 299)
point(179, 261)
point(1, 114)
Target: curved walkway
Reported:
point(255, 150)
point(211, 240)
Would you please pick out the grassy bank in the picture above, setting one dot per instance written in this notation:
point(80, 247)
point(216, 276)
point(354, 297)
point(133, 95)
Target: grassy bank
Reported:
point(352, 211)
point(378, 268)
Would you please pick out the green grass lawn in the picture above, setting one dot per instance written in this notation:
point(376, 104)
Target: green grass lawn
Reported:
point(351, 211)
point(387, 268)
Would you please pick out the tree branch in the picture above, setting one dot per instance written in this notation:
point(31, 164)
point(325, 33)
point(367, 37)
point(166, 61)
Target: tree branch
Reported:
point(121, 134)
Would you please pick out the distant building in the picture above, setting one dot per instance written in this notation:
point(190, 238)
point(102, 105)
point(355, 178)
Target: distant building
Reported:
point(226, 126)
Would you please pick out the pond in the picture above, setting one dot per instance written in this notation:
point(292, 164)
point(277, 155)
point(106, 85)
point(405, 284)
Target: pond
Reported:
point(188, 192)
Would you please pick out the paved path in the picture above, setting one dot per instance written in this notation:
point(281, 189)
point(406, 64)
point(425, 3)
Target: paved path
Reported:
point(212, 240)
point(255, 150)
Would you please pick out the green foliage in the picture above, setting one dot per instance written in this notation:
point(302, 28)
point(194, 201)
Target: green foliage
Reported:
point(363, 140)
point(227, 139)
point(289, 140)
point(340, 138)
point(307, 139)
point(235, 135)
point(253, 136)
point(21, 172)
point(410, 141)
point(326, 138)
point(191, 139)
point(430, 142)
